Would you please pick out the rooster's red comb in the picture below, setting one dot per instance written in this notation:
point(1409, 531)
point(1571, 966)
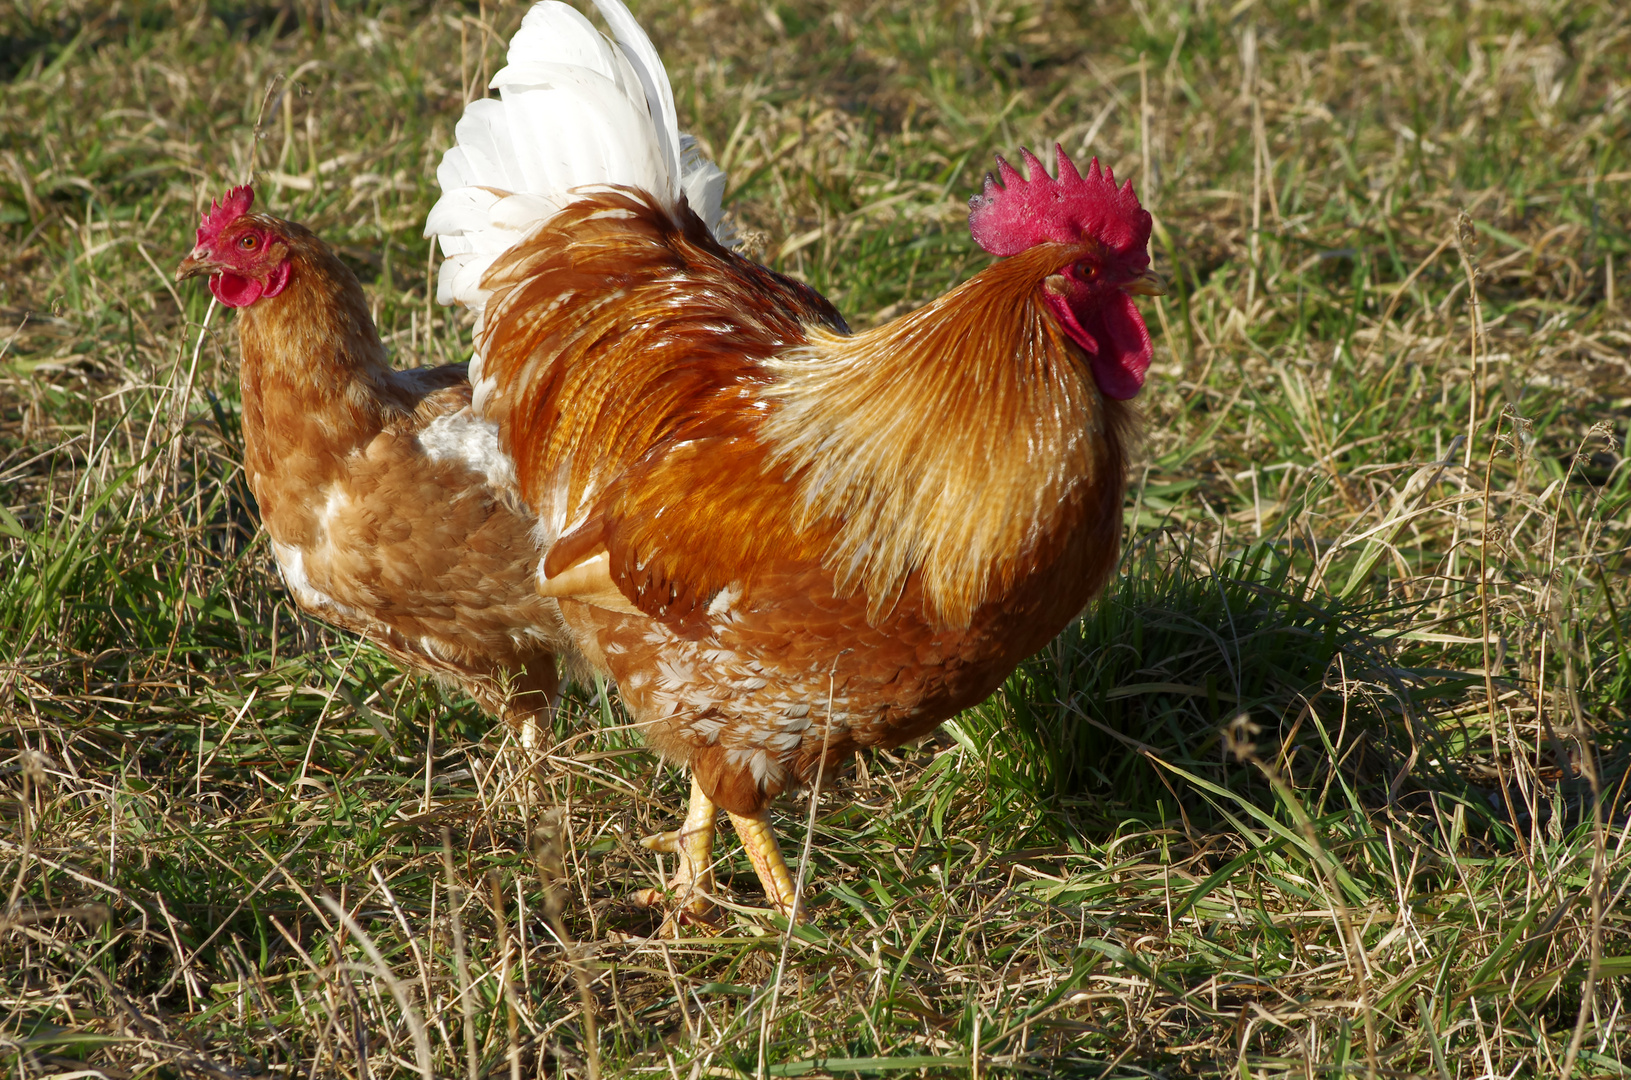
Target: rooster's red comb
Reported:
point(233, 206)
point(1018, 213)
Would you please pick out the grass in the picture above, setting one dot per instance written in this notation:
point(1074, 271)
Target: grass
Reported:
point(1331, 781)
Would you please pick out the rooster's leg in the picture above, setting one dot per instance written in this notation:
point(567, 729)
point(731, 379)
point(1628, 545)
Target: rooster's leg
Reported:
point(693, 882)
point(760, 841)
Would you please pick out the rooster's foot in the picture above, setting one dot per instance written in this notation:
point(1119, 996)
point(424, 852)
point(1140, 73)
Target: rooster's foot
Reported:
point(692, 885)
point(698, 916)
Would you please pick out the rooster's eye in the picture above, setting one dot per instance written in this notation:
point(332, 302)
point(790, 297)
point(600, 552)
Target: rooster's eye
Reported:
point(248, 242)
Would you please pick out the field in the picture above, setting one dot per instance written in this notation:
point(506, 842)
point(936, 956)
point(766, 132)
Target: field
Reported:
point(1331, 782)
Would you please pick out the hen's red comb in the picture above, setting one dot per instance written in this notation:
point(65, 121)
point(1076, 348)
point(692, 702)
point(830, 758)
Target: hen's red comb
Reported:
point(233, 206)
point(1019, 213)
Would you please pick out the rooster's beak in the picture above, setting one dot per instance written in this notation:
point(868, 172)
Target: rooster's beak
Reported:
point(199, 261)
point(1148, 283)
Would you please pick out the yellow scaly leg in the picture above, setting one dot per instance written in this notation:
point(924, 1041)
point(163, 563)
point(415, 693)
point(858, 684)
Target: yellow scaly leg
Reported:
point(693, 883)
point(760, 841)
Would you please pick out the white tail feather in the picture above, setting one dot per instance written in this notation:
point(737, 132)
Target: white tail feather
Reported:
point(575, 111)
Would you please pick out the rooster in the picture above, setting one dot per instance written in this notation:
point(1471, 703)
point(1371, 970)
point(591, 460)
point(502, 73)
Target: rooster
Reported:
point(783, 540)
point(390, 510)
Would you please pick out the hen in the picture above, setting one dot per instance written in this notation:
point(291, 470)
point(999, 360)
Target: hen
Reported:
point(783, 540)
point(390, 510)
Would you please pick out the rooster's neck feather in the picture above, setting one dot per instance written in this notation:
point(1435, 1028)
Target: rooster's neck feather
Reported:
point(963, 440)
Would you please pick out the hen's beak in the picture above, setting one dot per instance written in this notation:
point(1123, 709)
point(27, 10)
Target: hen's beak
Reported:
point(1148, 283)
point(198, 262)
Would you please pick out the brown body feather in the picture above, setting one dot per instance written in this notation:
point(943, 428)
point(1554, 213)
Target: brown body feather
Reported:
point(383, 513)
point(777, 536)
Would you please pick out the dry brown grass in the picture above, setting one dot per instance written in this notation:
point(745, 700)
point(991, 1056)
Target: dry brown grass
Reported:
point(1331, 783)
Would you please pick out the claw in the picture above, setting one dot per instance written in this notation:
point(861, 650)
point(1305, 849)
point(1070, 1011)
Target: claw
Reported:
point(707, 920)
point(688, 897)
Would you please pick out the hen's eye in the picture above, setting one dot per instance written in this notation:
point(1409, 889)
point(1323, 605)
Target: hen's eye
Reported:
point(248, 242)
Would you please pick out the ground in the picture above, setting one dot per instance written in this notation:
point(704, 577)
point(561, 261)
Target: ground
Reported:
point(1330, 782)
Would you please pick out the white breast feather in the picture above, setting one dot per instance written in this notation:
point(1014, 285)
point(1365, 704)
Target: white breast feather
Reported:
point(292, 562)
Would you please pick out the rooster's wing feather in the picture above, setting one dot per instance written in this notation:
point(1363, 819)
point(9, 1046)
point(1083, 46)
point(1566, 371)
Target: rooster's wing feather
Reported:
point(624, 350)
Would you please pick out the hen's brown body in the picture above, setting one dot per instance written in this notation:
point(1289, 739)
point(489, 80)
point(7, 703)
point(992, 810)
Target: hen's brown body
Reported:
point(388, 508)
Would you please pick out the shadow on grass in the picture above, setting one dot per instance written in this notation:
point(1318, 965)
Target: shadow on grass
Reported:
point(1150, 707)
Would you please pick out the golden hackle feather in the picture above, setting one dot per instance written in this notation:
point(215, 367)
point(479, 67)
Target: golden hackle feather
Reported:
point(319, 386)
point(949, 441)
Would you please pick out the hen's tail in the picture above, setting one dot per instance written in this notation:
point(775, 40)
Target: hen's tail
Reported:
point(575, 111)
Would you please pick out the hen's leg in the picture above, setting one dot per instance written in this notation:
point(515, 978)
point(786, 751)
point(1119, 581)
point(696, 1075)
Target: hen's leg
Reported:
point(760, 841)
point(530, 708)
point(693, 882)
